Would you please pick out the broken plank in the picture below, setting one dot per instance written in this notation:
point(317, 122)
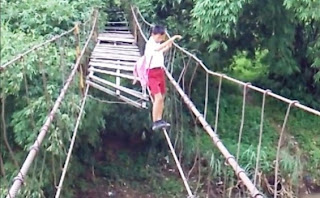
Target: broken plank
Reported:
point(121, 88)
point(112, 93)
point(127, 76)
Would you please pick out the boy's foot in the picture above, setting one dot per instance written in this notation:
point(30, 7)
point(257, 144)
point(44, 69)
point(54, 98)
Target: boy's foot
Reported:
point(159, 124)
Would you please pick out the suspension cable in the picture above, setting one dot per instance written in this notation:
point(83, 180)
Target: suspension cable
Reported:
point(260, 136)
point(279, 145)
point(75, 131)
point(178, 163)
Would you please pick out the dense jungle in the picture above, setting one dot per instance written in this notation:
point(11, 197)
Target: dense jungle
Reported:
point(273, 44)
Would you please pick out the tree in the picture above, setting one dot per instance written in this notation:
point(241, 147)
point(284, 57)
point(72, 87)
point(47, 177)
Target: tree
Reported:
point(288, 30)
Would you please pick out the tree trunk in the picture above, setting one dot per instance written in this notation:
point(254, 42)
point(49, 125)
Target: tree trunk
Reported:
point(3, 172)
point(5, 138)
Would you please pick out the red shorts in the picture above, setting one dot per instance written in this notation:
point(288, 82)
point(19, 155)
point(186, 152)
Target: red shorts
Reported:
point(156, 81)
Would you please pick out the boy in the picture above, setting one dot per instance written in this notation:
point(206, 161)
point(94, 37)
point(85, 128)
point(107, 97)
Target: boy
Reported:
point(156, 75)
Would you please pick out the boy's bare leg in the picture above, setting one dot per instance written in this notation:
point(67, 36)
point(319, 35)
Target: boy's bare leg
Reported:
point(158, 106)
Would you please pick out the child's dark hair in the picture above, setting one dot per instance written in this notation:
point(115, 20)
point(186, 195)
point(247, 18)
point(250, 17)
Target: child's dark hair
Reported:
point(158, 29)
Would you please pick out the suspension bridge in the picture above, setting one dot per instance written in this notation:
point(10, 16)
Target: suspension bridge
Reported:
point(109, 70)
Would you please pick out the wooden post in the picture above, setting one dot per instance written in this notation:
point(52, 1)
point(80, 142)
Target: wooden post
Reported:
point(144, 94)
point(78, 51)
point(118, 79)
point(96, 29)
point(135, 33)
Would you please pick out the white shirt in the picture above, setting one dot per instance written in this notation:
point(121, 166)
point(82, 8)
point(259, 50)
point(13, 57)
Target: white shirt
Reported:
point(150, 52)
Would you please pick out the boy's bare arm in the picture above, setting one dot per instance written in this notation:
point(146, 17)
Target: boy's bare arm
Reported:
point(166, 48)
point(168, 42)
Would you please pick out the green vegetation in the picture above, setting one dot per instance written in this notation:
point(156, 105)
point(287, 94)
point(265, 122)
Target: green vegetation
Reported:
point(274, 45)
point(30, 87)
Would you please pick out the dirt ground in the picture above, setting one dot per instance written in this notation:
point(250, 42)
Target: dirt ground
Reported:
point(103, 191)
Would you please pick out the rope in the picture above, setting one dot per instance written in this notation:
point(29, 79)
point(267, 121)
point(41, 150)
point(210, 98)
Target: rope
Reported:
point(43, 131)
point(279, 145)
point(65, 168)
point(206, 96)
point(217, 106)
point(36, 47)
point(177, 163)
point(173, 58)
point(242, 118)
point(260, 136)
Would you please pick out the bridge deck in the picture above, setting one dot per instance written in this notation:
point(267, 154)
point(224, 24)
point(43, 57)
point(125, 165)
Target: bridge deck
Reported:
point(112, 62)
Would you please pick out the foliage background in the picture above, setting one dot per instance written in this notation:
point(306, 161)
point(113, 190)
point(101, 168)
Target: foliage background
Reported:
point(274, 45)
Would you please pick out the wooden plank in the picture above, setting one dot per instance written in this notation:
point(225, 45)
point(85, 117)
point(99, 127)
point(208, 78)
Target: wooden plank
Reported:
point(117, 22)
point(111, 56)
point(118, 74)
point(116, 47)
point(126, 63)
point(115, 57)
point(120, 33)
point(114, 9)
point(101, 47)
point(119, 47)
point(126, 46)
point(117, 32)
point(112, 93)
point(110, 51)
point(115, 35)
point(111, 66)
point(116, 50)
point(115, 53)
point(124, 40)
point(117, 28)
point(121, 88)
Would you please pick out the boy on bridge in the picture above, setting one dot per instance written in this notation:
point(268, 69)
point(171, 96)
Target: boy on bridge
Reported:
point(156, 75)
